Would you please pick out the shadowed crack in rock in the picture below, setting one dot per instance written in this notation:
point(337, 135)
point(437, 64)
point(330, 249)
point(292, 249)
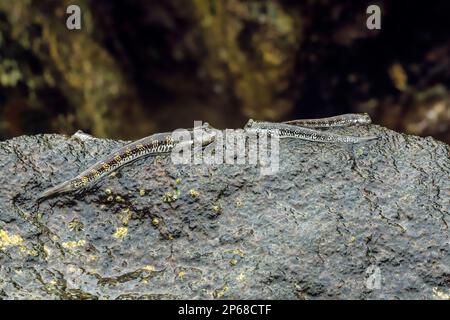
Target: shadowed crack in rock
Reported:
point(363, 221)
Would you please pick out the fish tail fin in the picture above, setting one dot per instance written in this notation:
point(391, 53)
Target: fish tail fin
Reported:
point(367, 138)
point(60, 188)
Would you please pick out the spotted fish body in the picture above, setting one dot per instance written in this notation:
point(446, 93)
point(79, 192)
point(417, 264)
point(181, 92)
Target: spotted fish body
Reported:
point(344, 120)
point(159, 143)
point(155, 144)
point(288, 130)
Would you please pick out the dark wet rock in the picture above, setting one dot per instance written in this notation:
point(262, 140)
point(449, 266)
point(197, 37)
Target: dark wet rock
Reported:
point(333, 221)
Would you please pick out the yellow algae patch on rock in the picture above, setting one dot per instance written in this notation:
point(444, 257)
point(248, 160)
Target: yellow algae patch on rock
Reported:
point(181, 274)
point(217, 209)
point(241, 277)
point(194, 193)
point(155, 221)
point(440, 294)
point(149, 268)
point(219, 293)
point(120, 233)
point(125, 216)
point(74, 244)
point(169, 197)
point(7, 240)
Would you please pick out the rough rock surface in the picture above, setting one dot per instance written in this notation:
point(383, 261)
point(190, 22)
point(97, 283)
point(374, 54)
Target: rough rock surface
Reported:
point(363, 221)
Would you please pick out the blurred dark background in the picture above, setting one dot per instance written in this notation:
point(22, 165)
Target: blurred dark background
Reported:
point(139, 66)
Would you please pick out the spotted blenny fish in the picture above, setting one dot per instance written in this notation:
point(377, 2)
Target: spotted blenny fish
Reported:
point(155, 144)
